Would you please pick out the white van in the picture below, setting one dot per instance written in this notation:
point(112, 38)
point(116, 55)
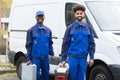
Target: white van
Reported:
point(102, 15)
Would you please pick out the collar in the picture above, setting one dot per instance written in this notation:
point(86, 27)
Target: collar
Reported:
point(76, 23)
point(38, 27)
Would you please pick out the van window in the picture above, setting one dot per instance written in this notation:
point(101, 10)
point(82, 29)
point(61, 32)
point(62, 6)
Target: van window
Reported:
point(106, 14)
point(69, 14)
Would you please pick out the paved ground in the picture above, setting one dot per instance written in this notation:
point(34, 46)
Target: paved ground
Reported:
point(8, 75)
point(13, 76)
point(10, 78)
point(8, 72)
point(3, 58)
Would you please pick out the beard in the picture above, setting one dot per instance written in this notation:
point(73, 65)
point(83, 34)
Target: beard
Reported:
point(79, 18)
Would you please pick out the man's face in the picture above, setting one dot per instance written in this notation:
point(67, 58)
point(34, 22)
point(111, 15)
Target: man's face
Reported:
point(79, 15)
point(40, 19)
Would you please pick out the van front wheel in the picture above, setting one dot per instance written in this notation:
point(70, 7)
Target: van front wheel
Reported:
point(100, 73)
point(19, 66)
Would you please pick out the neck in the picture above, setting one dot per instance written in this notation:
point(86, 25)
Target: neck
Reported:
point(40, 25)
point(80, 22)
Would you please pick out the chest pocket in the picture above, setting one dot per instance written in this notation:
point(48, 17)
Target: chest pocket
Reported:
point(86, 33)
point(44, 38)
point(39, 39)
point(80, 35)
point(35, 38)
point(75, 36)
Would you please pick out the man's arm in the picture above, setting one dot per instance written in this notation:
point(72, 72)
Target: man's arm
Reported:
point(29, 44)
point(65, 44)
point(91, 45)
point(50, 44)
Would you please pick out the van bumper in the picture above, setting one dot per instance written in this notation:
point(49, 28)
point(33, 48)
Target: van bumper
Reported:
point(115, 69)
point(11, 55)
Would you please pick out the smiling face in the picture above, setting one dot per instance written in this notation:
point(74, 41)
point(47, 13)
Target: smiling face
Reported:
point(79, 15)
point(40, 19)
point(79, 12)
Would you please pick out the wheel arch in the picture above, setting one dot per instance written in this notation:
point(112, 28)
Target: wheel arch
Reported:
point(18, 55)
point(96, 63)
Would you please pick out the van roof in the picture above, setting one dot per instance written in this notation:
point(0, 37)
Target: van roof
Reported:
point(20, 1)
point(32, 0)
point(26, 1)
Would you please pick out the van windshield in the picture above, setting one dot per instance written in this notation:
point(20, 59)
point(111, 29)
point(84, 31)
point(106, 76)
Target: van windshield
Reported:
point(106, 14)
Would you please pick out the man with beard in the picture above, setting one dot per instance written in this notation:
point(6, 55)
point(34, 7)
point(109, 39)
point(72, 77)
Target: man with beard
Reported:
point(39, 46)
point(78, 42)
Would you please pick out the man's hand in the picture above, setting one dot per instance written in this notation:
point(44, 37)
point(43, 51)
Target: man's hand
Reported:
point(91, 63)
point(29, 62)
point(52, 58)
point(63, 64)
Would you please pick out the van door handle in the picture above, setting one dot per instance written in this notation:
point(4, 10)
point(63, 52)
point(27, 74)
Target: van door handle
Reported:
point(54, 37)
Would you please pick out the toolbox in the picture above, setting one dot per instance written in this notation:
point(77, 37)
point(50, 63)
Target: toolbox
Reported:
point(62, 73)
point(28, 72)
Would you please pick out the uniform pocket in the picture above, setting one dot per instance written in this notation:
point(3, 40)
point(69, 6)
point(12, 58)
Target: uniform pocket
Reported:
point(86, 33)
point(45, 38)
point(75, 36)
point(34, 35)
point(35, 39)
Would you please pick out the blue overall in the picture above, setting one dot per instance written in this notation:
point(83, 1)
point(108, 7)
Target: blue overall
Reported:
point(78, 42)
point(39, 46)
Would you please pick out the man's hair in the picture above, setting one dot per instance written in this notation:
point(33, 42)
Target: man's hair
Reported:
point(78, 7)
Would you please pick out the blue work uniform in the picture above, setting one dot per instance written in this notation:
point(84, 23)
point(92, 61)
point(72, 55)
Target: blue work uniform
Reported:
point(39, 46)
point(78, 42)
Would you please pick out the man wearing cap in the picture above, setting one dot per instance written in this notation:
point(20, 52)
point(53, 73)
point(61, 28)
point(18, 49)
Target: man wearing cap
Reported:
point(39, 46)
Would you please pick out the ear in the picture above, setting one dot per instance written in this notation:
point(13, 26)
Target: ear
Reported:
point(36, 17)
point(84, 14)
point(43, 17)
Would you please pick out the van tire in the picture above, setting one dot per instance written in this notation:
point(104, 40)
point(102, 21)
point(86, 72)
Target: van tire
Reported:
point(100, 72)
point(18, 65)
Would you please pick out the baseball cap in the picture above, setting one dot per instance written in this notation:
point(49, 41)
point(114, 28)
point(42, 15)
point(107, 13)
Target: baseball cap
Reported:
point(39, 13)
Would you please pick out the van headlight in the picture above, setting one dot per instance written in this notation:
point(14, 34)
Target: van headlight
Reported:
point(118, 48)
